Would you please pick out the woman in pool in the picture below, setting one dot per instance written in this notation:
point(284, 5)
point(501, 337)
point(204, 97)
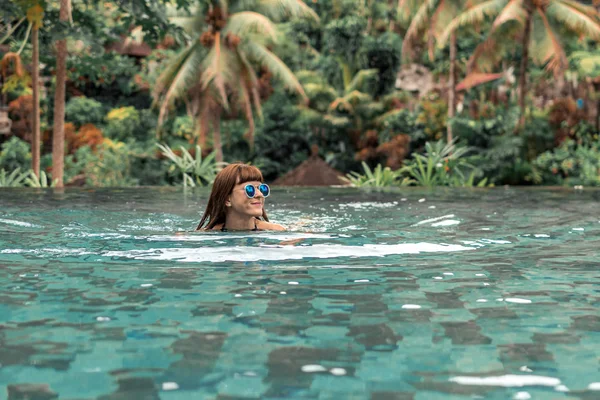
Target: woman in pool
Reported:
point(237, 201)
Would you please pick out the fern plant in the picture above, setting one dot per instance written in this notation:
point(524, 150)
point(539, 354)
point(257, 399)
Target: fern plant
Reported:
point(42, 181)
point(195, 171)
point(379, 177)
point(443, 164)
point(14, 179)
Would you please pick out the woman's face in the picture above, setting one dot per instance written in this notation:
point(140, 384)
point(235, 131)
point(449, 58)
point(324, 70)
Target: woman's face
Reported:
point(241, 204)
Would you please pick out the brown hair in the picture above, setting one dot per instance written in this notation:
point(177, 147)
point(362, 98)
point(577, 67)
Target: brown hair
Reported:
point(226, 179)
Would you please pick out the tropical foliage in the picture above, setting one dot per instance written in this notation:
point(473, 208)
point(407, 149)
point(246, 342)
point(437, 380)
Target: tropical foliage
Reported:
point(428, 93)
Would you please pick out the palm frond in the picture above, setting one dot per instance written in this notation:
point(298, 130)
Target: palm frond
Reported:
point(360, 78)
point(405, 8)
point(253, 83)
point(248, 22)
point(586, 9)
point(549, 51)
point(258, 53)
point(177, 78)
point(306, 76)
point(574, 19)
point(314, 90)
point(355, 97)
point(477, 14)
point(217, 71)
point(513, 11)
point(278, 10)
point(418, 24)
point(12, 30)
point(168, 75)
point(247, 107)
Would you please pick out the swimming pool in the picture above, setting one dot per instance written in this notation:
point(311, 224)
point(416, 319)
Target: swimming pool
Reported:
point(408, 295)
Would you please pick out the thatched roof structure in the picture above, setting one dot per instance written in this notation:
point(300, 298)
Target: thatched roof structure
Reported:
point(312, 172)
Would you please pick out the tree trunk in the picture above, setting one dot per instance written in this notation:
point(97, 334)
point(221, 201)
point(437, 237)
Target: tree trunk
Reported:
point(58, 132)
point(218, 147)
point(451, 87)
point(523, 71)
point(204, 127)
point(35, 123)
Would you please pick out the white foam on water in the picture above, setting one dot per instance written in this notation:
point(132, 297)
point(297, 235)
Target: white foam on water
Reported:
point(481, 300)
point(578, 229)
point(248, 254)
point(313, 368)
point(594, 386)
point(506, 380)
point(427, 221)
point(448, 273)
point(561, 388)
point(19, 223)
point(493, 241)
point(521, 396)
point(541, 235)
point(293, 283)
point(447, 222)
point(524, 368)
point(411, 306)
point(48, 251)
point(437, 277)
point(338, 371)
point(517, 300)
point(170, 386)
point(104, 235)
point(146, 285)
point(362, 280)
point(210, 236)
point(368, 204)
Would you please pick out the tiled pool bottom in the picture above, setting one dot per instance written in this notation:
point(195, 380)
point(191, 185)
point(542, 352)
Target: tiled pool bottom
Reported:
point(489, 294)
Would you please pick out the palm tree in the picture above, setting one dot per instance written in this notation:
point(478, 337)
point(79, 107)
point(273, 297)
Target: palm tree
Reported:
point(35, 15)
point(433, 16)
point(227, 41)
point(343, 108)
point(542, 19)
point(58, 135)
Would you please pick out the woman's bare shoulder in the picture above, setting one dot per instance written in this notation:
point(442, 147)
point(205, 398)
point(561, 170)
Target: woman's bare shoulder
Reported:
point(269, 226)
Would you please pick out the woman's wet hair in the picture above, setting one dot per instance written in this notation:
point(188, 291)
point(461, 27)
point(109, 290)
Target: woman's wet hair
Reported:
point(226, 179)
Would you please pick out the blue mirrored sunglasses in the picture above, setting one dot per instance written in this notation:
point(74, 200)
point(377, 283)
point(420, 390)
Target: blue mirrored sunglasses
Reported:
point(251, 190)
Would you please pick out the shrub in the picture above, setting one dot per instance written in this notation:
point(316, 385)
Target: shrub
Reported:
point(82, 110)
point(122, 123)
point(15, 153)
point(108, 166)
point(569, 164)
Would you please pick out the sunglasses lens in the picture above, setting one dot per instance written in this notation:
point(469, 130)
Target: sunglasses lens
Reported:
point(250, 191)
point(264, 189)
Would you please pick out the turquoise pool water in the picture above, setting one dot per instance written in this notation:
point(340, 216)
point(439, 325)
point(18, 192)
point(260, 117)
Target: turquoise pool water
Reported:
point(483, 294)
